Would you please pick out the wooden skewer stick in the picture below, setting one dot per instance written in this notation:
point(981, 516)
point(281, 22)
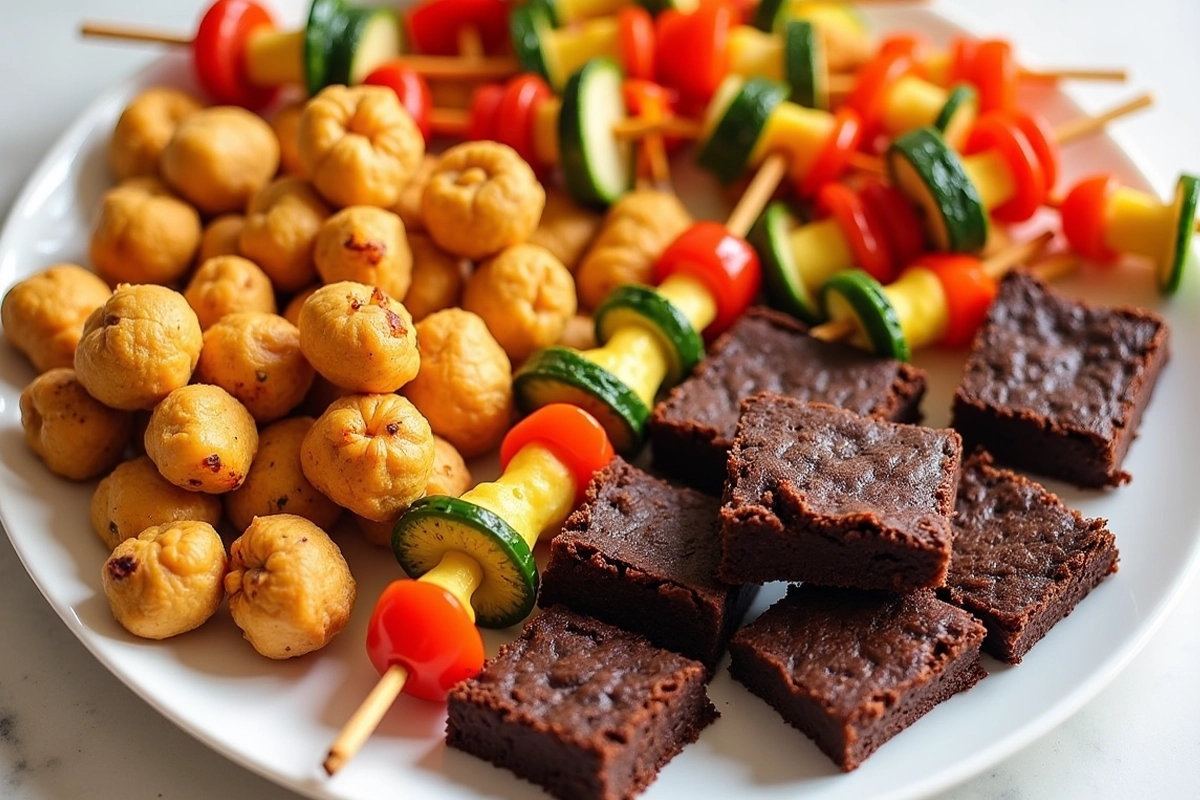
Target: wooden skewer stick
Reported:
point(1083, 126)
point(1074, 74)
point(105, 30)
point(772, 172)
point(365, 719)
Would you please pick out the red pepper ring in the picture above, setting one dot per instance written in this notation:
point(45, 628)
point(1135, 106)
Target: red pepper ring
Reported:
point(219, 53)
point(725, 263)
point(696, 49)
point(909, 44)
point(969, 291)
point(485, 103)
point(1085, 217)
point(874, 82)
point(423, 628)
point(996, 131)
point(574, 435)
point(962, 61)
point(860, 227)
point(1041, 136)
point(635, 33)
point(515, 115)
point(434, 25)
point(904, 233)
point(835, 154)
point(996, 75)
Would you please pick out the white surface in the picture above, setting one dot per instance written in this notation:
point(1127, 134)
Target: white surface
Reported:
point(68, 729)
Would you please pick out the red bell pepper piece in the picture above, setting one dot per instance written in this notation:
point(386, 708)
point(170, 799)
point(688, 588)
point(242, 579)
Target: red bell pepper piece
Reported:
point(219, 53)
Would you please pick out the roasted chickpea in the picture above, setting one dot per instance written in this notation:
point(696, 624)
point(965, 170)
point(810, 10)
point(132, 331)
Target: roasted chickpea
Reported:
point(290, 589)
point(359, 338)
point(450, 477)
point(219, 157)
point(286, 124)
point(220, 237)
point(566, 229)
point(143, 234)
point(281, 228)
point(481, 198)
point(579, 333)
point(136, 496)
point(138, 347)
point(228, 285)
point(292, 312)
point(276, 482)
point(359, 146)
point(43, 315)
point(367, 245)
point(636, 230)
point(525, 295)
point(437, 278)
point(322, 393)
point(256, 358)
point(202, 439)
point(168, 580)
point(370, 453)
point(464, 387)
point(144, 128)
point(408, 207)
point(76, 435)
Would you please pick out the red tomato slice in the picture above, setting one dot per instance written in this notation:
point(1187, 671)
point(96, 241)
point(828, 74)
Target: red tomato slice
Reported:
point(725, 263)
point(219, 53)
point(410, 87)
point(574, 435)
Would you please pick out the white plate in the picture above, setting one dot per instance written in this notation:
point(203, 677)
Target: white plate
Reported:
point(278, 718)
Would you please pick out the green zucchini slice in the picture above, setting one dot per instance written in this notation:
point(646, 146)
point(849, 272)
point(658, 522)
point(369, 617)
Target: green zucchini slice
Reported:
point(433, 526)
point(562, 375)
point(804, 64)
point(783, 276)
point(597, 167)
point(958, 115)
point(857, 295)
point(368, 37)
point(768, 12)
point(1170, 269)
point(527, 25)
point(932, 177)
point(324, 27)
point(679, 339)
point(736, 128)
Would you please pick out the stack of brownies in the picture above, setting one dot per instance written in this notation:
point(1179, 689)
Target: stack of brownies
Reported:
point(908, 554)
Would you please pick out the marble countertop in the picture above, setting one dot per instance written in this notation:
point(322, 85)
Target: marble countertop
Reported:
point(70, 729)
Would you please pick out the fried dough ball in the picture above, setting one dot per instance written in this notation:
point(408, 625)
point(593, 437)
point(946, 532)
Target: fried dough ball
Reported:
point(286, 124)
point(359, 338)
point(525, 295)
point(228, 285)
point(367, 245)
point(566, 229)
point(168, 580)
point(359, 145)
point(220, 237)
point(450, 477)
point(276, 482)
point(43, 314)
point(256, 358)
point(281, 228)
point(143, 234)
point(219, 157)
point(636, 230)
point(138, 347)
point(202, 439)
point(579, 333)
point(370, 453)
point(322, 393)
point(136, 496)
point(408, 207)
point(290, 589)
point(144, 128)
point(437, 278)
point(481, 198)
point(76, 435)
point(464, 387)
point(292, 311)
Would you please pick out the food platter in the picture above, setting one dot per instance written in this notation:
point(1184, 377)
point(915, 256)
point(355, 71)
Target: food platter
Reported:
point(277, 719)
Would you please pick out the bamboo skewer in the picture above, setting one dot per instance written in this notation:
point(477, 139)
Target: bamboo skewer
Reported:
point(757, 195)
point(1083, 126)
point(365, 719)
point(843, 83)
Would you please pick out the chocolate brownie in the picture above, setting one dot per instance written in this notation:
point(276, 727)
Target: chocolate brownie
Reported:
point(642, 554)
point(692, 429)
point(821, 494)
point(582, 708)
point(1056, 386)
point(851, 669)
point(1022, 560)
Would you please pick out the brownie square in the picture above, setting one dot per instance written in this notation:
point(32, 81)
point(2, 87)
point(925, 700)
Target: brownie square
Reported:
point(642, 554)
point(692, 429)
point(1022, 560)
point(1056, 386)
point(821, 494)
point(851, 669)
point(582, 708)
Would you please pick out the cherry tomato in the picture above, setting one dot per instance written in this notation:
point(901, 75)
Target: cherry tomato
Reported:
point(515, 114)
point(410, 87)
point(860, 227)
point(969, 294)
point(574, 435)
point(635, 29)
point(424, 628)
point(219, 53)
point(995, 74)
point(434, 25)
point(725, 263)
point(1084, 217)
point(694, 49)
point(484, 113)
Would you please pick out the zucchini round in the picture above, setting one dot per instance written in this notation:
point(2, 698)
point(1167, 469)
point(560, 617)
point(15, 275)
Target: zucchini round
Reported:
point(804, 65)
point(597, 167)
point(367, 38)
point(783, 276)
point(656, 7)
point(435, 525)
point(679, 340)
point(562, 375)
point(1170, 269)
point(958, 115)
point(932, 177)
point(324, 26)
point(735, 129)
point(527, 25)
point(766, 14)
point(855, 294)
